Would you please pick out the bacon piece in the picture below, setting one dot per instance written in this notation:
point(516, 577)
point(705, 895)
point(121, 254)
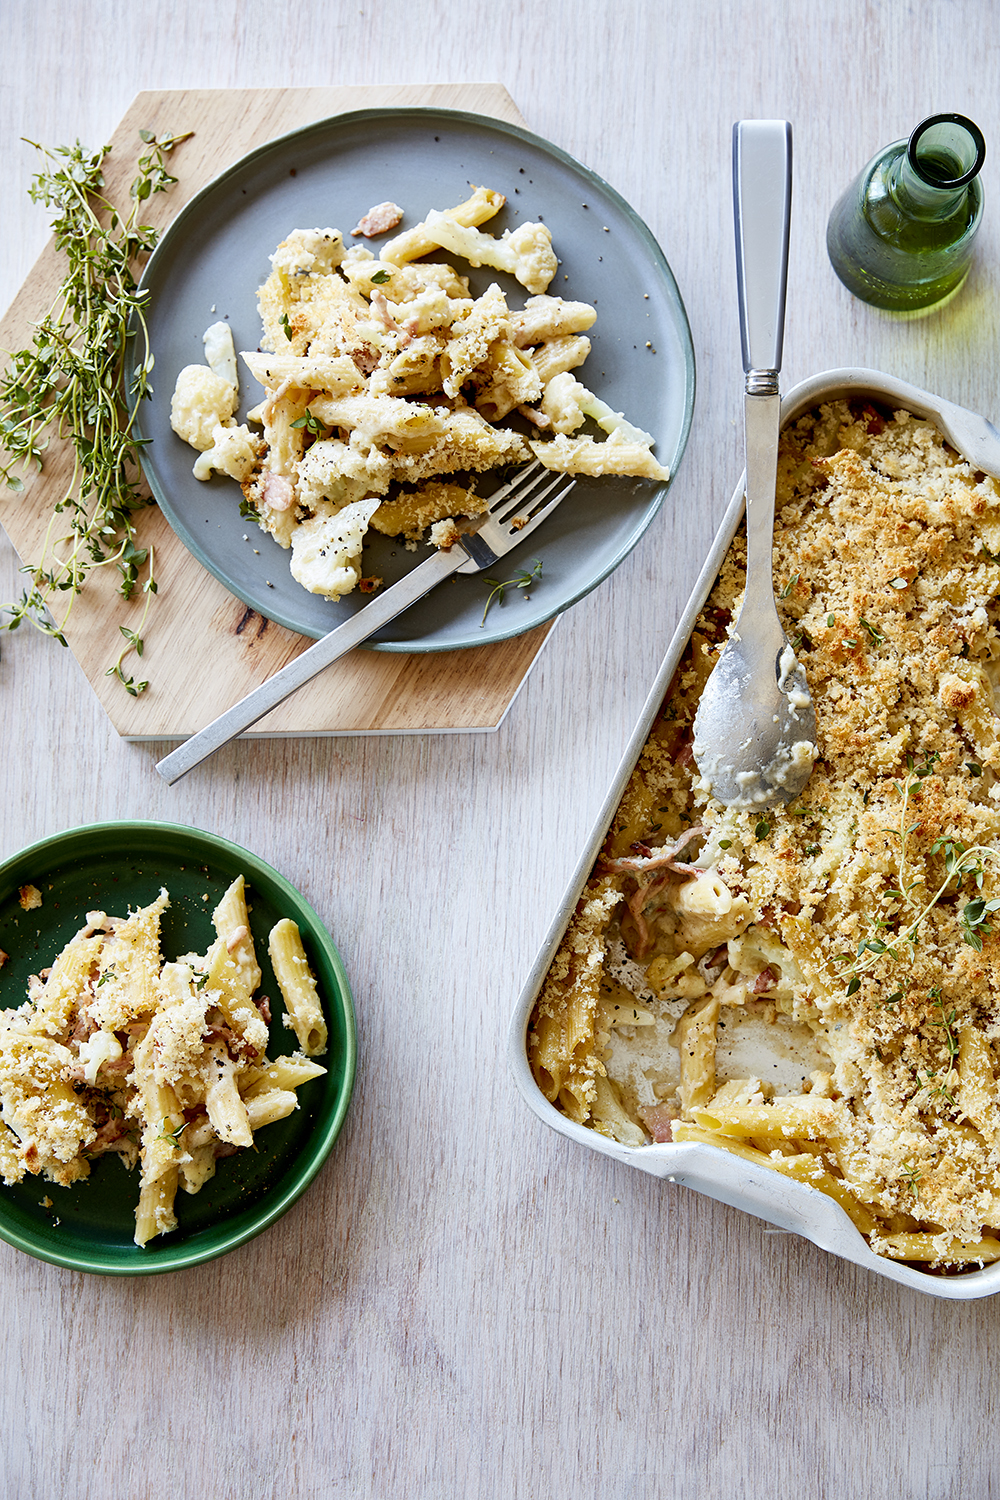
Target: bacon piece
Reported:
point(405, 331)
point(235, 938)
point(267, 410)
point(239, 1049)
point(537, 417)
point(647, 861)
point(108, 1136)
point(279, 492)
point(637, 903)
point(378, 220)
point(658, 1119)
point(766, 980)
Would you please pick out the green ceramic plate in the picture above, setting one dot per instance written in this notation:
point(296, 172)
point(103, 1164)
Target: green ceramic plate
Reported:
point(114, 866)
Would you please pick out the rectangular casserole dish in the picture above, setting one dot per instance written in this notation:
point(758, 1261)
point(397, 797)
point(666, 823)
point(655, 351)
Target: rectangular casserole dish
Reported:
point(779, 1199)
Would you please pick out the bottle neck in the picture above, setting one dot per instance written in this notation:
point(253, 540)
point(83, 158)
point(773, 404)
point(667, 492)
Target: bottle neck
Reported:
point(918, 198)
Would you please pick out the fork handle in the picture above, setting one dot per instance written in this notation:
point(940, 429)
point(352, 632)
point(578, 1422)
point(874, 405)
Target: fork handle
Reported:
point(376, 613)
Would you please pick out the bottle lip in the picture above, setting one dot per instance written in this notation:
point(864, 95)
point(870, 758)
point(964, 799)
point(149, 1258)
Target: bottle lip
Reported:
point(964, 123)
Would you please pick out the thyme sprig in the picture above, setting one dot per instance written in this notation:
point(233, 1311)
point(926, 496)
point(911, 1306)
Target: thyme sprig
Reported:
point(69, 384)
point(912, 1176)
point(523, 580)
point(884, 938)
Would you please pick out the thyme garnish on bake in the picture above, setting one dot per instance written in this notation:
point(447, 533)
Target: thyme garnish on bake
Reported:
point(883, 936)
point(912, 1176)
point(69, 383)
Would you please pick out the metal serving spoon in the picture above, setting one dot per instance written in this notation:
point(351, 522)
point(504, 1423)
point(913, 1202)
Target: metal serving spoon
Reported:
point(755, 730)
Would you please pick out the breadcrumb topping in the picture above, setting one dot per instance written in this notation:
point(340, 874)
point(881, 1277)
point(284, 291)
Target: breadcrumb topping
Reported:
point(860, 917)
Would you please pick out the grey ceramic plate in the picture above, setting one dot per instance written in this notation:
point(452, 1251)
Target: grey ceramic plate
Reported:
point(214, 256)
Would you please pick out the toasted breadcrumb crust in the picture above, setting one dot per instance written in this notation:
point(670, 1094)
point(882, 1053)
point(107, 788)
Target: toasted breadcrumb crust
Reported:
point(860, 912)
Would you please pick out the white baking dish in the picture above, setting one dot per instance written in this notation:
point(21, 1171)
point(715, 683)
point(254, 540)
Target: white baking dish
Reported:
point(780, 1200)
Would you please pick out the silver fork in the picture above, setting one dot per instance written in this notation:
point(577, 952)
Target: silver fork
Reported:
point(515, 511)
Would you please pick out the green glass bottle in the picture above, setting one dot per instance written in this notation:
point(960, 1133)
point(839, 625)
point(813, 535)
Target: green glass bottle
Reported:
point(901, 236)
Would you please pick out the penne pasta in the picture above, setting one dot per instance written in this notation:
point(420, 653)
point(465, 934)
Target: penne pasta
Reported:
point(383, 377)
point(304, 1014)
point(161, 1063)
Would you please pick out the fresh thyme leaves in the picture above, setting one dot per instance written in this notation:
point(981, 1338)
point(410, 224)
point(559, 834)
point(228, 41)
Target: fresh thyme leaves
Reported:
point(133, 642)
point(925, 770)
point(311, 423)
point(286, 325)
point(789, 586)
point(876, 635)
point(940, 1090)
point(973, 921)
point(762, 829)
point(524, 580)
point(948, 1022)
point(912, 1176)
point(379, 278)
point(173, 1136)
point(69, 384)
point(961, 863)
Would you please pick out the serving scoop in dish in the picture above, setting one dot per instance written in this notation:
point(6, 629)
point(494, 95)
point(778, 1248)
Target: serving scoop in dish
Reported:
point(755, 731)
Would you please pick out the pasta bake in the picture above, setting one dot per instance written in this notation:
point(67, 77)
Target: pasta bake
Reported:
point(388, 387)
point(164, 1063)
point(816, 987)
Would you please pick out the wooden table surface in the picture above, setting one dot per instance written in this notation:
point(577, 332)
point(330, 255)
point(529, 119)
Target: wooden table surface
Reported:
point(465, 1303)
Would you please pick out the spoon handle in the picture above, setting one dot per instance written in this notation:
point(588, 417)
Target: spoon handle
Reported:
point(762, 198)
point(762, 203)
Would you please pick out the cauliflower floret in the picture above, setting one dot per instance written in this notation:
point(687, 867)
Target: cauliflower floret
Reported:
point(234, 451)
point(201, 402)
point(332, 470)
point(526, 252)
point(566, 402)
point(428, 310)
point(220, 354)
point(326, 549)
point(561, 403)
point(308, 250)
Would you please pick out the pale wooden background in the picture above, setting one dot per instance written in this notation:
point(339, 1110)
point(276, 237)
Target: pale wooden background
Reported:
point(465, 1303)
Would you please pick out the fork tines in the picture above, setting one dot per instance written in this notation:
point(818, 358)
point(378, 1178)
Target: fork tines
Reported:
point(525, 496)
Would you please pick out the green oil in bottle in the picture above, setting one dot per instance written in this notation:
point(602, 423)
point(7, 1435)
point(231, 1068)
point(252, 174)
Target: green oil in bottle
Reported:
point(901, 236)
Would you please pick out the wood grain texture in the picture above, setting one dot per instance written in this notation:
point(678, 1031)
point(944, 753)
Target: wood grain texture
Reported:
point(465, 1303)
point(203, 651)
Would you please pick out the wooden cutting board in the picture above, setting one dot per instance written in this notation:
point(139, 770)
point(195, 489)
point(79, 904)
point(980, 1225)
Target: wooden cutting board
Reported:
point(204, 649)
